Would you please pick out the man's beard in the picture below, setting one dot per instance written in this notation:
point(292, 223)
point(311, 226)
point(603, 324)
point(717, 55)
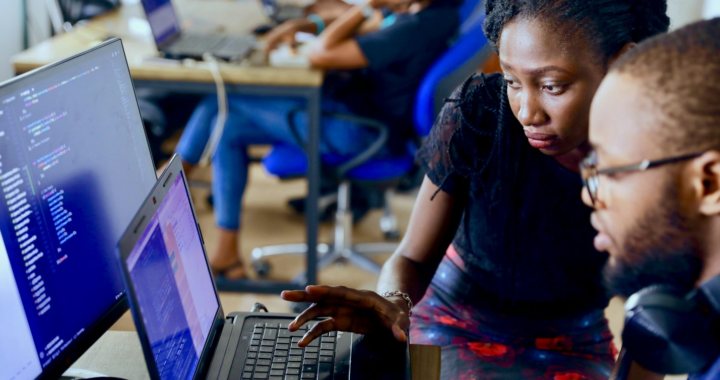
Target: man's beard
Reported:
point(659, 250)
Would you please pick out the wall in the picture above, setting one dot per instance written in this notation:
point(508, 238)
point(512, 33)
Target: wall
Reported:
point(683, 12)
point(11, 35)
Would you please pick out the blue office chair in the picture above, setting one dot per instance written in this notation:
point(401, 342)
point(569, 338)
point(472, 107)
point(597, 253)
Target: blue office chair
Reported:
point(461, 60)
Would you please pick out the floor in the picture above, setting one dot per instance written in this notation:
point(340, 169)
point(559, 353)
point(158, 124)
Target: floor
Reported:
point(266, 213)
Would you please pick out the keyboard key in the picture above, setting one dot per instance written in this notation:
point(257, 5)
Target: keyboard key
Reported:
point(279, 360)
point(296, 339)
point(309, 362)
point(247, 375)
point(277, 372)
point(332, 334)
point(326, 353)
point(311, 356)
point(260, 375)
point(296, 351)
point(299, 333)
point(309, 368)
point(252, 355)
point(314, 343)
point(326, 359)
point(259, 325)
point(271, 325)
point(308, 375)
point(327, 340)
point(248, 368)
point(284, 333)
point(275, 378)
point(263, 362)
point(292, 377)
point(312, 349)
point(265, 355)
point(262, 368)
point(278, 366)
point(283, 340)
point(284, 325)
point(268, 343)
point(250, 362)
point(253, 348)
point(266, 349)
point(270, 334)
point(327, 346)
point(295, 359)
point(294, 365)
point(282, 346)
point(254, 342)
point(257, 336)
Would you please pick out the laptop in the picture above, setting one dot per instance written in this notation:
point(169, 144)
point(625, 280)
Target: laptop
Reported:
point(186, 335)
point(178, 44)
point(281, 13)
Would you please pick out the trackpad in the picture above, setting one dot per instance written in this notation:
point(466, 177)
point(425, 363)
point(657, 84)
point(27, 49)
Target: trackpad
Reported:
point(379, 356)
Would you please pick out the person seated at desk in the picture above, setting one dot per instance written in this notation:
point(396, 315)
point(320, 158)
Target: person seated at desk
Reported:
point(499, 246)
point(382, 65)
point(661, 226)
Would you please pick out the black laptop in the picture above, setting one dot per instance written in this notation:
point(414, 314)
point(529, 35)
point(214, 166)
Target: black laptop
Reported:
point(184, 331)
point(281, 13)
point(175, 43)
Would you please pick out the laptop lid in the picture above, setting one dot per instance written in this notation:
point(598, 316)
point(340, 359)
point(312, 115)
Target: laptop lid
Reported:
point(172, 295)
point(163, 20)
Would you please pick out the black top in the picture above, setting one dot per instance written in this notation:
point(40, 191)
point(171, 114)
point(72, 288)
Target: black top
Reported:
point(399, 56)
point(525, 235)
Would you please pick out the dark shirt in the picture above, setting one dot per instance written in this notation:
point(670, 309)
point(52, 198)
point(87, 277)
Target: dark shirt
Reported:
point(712, 373)
point(525, 235)
point(399, 56)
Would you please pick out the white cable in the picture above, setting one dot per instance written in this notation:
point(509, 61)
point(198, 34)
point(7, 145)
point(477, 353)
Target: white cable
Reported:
point(217, 132)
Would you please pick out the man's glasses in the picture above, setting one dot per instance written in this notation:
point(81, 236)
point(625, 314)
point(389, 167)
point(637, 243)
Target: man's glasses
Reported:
point(590, 173)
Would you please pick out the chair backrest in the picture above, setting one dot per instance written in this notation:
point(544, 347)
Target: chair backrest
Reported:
point(461, 60)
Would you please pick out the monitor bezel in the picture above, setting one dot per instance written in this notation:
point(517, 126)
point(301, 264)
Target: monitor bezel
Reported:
point(96, 330)
point(125, 247)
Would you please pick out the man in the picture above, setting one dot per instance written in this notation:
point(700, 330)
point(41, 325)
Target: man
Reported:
point(660, 222)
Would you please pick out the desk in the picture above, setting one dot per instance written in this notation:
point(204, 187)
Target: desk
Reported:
point(118, 353)
point(251, 77)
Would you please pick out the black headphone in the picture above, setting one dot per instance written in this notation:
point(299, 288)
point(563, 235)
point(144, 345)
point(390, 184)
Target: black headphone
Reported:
point(669, 332)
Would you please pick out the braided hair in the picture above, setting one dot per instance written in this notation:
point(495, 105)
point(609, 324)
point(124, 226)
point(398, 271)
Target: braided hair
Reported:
point(607, 24)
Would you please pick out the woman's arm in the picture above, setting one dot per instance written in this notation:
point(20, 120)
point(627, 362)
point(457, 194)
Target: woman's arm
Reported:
point(432, 226)
point(335, 48)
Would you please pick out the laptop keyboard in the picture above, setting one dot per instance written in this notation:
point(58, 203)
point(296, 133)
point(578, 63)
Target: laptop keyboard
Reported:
point(233, 46)
point(273, 354)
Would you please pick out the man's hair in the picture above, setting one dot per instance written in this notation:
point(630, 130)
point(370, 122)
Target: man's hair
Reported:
point(680, 73)
point(607, 24)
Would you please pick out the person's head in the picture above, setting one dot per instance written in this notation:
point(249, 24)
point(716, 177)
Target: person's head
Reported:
point(555, 53)
point(660, 101)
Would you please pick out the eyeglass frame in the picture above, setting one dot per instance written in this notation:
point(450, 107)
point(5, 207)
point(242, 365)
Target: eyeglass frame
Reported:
point(642, 166)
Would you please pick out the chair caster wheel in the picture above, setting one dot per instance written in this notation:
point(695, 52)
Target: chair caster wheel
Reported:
point(262, 268)
point(210, 200)
point(392, 235)
point(299, 307)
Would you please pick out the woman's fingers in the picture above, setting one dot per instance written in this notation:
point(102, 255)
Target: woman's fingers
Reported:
point(317, 330)
point(313, 312)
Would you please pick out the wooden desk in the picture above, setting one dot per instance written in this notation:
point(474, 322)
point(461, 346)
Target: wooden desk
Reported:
point(118, 353)
point(251, 77)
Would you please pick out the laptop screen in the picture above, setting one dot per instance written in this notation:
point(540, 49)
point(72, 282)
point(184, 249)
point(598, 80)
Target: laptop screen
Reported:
point(174, 290)
point(162, 19)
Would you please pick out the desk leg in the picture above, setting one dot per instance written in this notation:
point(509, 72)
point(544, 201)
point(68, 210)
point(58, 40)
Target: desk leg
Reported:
point(312, 219)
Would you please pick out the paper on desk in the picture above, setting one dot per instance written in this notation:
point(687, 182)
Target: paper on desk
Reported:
point(284, 56)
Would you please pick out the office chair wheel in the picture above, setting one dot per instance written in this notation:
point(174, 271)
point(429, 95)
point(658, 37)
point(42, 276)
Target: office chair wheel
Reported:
point(210, 200)
point(262, 268)
point(392, 235)
point(299, 307)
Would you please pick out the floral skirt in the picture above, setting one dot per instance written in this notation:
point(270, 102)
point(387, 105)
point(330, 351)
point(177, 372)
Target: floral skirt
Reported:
point(481, 343)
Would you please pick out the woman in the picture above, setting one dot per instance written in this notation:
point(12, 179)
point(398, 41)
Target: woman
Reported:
point(379, 64)
point(518, 295)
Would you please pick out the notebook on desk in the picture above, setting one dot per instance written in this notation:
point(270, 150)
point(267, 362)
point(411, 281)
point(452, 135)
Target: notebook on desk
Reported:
point(184, 331)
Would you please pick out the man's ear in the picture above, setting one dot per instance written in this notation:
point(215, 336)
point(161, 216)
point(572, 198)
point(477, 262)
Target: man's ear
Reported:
point(620, 52)
point(706, 182)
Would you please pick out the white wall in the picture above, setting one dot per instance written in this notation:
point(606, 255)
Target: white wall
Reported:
point(712, 8)
point(683, 12)
point(11, 36)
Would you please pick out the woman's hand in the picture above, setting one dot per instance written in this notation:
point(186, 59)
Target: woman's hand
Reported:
point(285, 33)
point(357, 311)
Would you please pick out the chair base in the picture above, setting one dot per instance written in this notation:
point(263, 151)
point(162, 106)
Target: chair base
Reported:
point(342, 250)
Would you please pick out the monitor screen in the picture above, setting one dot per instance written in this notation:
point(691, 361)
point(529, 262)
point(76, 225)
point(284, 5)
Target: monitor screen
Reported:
point(162, 19)
point(173, 286)
point(74, 168)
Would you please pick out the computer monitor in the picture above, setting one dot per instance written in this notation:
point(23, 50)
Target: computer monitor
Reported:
point(74, 168)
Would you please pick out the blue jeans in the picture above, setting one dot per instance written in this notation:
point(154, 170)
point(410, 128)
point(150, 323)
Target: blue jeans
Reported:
point(259, 121)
